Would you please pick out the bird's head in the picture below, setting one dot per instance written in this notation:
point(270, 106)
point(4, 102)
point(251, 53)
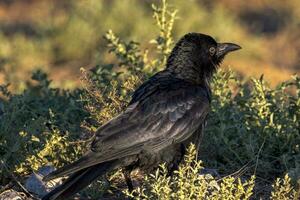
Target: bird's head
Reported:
point(198, 55)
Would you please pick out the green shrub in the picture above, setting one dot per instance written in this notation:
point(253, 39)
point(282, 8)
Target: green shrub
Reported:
point(252, 129)
point(253, 126)
point(283, 190)
point(35, 127)
point(188, 183)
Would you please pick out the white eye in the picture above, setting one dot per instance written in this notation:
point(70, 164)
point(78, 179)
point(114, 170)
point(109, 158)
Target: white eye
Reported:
point(212, 51)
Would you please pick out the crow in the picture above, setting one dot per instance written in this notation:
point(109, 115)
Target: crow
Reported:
point(166, 113)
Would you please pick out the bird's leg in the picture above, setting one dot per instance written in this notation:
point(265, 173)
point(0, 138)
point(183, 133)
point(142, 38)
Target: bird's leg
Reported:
point(128, 180)
point(177, 161)
point(174, 167)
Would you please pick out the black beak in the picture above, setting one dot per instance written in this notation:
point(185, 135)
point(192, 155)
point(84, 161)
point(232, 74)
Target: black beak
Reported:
point(224, 48)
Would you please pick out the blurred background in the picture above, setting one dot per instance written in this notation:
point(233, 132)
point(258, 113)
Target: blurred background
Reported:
point(60, 36)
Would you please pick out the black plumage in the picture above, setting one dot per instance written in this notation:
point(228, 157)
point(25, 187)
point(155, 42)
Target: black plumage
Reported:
point(165, 114)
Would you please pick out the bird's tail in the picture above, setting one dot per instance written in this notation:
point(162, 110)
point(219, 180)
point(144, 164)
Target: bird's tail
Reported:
point(79, 180)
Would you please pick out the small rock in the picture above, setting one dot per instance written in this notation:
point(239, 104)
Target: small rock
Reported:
point(36, 185)
point(12, 195)
point(212, 172)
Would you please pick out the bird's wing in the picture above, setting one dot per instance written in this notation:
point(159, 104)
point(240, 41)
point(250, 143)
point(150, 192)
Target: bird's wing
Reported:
point(164, 114)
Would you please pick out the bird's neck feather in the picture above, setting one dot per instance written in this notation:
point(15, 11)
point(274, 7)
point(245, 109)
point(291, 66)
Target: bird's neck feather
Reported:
point(197, 73)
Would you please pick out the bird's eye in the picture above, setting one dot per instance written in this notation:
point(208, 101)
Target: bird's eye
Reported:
point(212, 50)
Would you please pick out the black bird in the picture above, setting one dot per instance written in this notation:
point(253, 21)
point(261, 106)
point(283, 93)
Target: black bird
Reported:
point(165, 114)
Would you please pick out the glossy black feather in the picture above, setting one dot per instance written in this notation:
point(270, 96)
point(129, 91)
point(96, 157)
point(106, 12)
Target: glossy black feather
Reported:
point(172, 112)
point(165, 114)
